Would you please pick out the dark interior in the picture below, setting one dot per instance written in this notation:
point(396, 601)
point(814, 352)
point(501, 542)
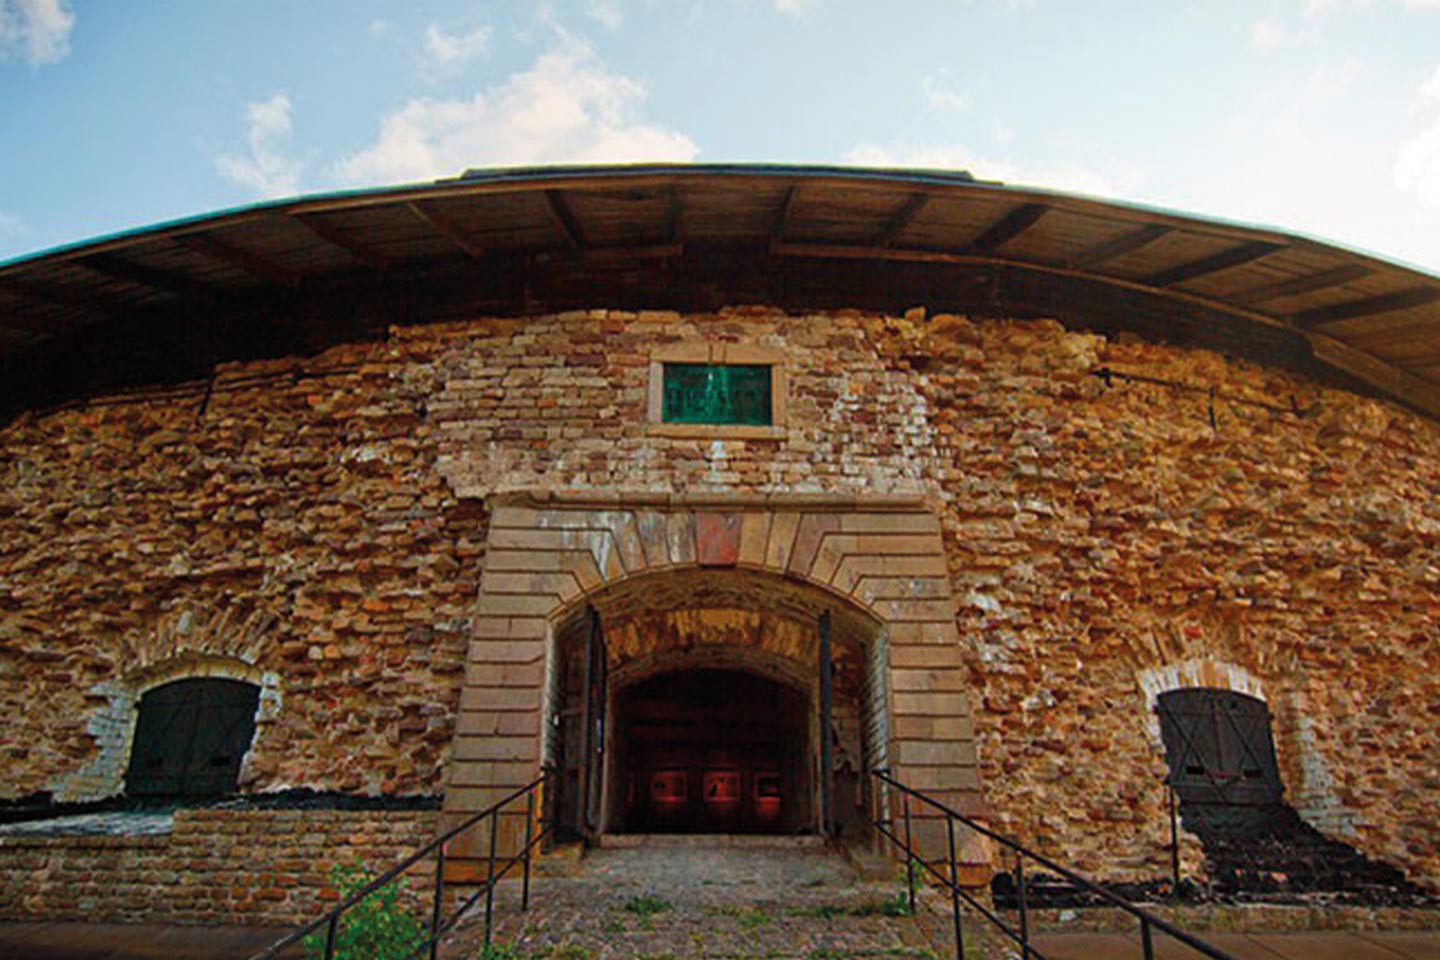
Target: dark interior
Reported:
point(710, 751)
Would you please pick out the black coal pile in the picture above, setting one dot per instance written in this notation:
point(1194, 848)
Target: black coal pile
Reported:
point(1268, 854)
point(1252, 855)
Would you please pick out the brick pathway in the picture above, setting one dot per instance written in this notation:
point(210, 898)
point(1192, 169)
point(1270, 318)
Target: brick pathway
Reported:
point(666, 903)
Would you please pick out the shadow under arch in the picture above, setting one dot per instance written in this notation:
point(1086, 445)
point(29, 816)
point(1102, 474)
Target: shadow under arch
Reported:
point(710, 710)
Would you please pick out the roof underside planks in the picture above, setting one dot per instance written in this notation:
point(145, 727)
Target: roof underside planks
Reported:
point(607, 230)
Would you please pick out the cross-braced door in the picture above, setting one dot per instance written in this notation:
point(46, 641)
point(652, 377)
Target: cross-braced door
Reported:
point(190, 738)
point(1219, 748)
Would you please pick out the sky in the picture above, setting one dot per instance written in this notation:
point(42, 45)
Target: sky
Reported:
point(1319, 117)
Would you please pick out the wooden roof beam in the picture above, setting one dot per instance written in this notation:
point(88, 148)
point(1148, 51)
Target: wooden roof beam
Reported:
point(1312, 283)
point(903, 216)
point(1418, 393)
point(1216, 262)
point(361, 252)
point(248, 261)
point(784, 214)
point(1007, 228)
point(674, 217)
point(449, 229)
point(1110, 249)
point(564, 219)
point(117, 267)
point(1417, 362)
point(52, 295)
point(1365, 307)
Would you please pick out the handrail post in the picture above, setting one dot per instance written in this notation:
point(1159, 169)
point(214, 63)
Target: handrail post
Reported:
point(529, 831)
point(439, 900)
point(1024, 911)
point(330, 930)
point(909, 855)
point(955, 890)
point(490, 878)
point(1146, 945)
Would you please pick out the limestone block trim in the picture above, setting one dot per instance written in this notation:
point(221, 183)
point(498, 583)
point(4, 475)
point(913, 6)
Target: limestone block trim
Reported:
point(885, 559)
point(188, 644)
point(718, 353)
point(1215, 674)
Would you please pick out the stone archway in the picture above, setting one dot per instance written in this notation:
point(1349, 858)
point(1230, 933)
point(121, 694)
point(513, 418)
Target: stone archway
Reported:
point(547, 553)
point(755, 638)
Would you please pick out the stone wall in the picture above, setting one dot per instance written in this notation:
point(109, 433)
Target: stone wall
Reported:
point(1099, 533)
point(287, 528)
point(217, 866)
point(1243, 524)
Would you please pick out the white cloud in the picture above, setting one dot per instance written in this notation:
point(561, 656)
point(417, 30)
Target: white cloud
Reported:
point(444, 49)
point(1066, 176)
point(1417, 166)
point(264, 167)
point(1268, 33)
point(796, 8)
point(942, 93)
point(11, 226)
point(568, 107)
point(1330, 81)
point(379, 27)
point(607, 13)
point(1314, 7)
point(37, 31)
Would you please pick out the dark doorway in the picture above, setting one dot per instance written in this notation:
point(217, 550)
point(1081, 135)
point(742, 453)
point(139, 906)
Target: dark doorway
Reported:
point(190, 737)
point(711, 751)
point(1219, 748)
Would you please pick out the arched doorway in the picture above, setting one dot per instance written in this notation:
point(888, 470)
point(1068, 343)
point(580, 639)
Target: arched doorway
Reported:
point(697, 562)
point(714, 701)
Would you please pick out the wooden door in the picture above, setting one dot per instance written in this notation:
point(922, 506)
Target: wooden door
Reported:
point(825, 667)
point(596, 690)
point(1219, 748)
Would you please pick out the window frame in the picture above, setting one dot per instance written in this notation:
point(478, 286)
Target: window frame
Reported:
point(719, 354)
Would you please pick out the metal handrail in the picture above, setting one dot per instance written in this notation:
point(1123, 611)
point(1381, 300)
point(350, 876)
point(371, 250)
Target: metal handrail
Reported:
point(1021, 937)
point(438, 928)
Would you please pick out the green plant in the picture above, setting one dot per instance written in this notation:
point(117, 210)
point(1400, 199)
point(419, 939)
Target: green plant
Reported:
point(498, 951)
point(379, 927)
point(896, 905)
point(646, 906)
point(749, 917)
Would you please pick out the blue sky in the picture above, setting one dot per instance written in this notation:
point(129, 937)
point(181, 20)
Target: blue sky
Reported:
point(1317, 116)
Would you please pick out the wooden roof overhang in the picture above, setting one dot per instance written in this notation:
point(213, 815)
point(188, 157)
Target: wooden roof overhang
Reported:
point(165, 303)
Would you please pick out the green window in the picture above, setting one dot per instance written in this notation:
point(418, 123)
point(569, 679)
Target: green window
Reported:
point(717, 393)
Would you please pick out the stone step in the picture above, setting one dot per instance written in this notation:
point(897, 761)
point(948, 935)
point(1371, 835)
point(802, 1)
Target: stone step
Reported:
point(704, 841)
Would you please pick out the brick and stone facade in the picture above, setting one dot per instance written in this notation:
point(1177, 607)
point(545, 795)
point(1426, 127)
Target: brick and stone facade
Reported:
point(364, 532)
point(214, 866)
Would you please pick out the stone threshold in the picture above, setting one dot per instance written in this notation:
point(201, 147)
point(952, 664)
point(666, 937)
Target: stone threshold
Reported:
point(711, 841)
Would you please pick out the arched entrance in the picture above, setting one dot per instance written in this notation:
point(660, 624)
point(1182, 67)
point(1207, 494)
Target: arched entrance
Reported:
point(715, 701)
point(685, 576)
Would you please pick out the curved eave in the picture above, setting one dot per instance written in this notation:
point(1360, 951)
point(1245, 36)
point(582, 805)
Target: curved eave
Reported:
point(1375, 321)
